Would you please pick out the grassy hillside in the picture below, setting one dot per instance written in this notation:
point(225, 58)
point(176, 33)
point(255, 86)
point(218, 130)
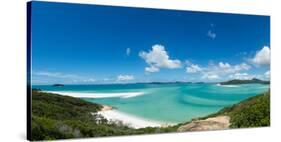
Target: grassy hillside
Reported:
point(57, 117)
point(252, 112)
point(60, 117)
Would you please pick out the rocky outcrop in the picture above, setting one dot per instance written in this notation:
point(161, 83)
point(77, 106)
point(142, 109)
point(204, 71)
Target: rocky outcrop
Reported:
point(212, 123)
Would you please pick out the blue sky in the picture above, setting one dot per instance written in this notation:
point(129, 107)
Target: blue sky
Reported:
point(87, 44)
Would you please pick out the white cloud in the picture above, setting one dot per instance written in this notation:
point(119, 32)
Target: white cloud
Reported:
point(217, 71)
point(242, 66)
point(193, 68)
point(210, 76)
point(211, 34)
point(151, 69)
point(227, 68)
point(89, 80)
point(262, 57)
point(47, 77)
point(242, 76)
point(224, 65)
point(54, 74)
point(128, 51)
point(158, 58)
point(267, 74)
point(125, 77)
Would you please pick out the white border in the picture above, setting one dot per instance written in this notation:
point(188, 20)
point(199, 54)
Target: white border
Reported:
point(13, 68)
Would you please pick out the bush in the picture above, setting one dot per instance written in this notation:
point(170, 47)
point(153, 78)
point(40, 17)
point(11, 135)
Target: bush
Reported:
point(254, 112)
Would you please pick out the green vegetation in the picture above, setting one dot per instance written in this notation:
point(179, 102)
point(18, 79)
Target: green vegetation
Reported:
point(238, 81)
point(252, 112)
point(60, 117)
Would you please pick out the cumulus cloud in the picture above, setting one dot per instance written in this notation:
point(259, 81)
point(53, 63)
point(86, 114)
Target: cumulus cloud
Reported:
point(128, 51)
point(224, 65)
point(55, 77)
point(125, 77)
point(158, 58)
point(217, 71)
point(151, 69)
point(89, 80)
point(193, 68)
point(262, 57)
point(227, 68)
point(54, 74)
point(242, 76)
point(242, 66)
point(210, 76)
point(267, 74)
point(211, 34)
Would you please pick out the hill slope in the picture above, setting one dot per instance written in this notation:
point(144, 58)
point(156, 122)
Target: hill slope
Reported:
point(60, 117)
point(252, 112)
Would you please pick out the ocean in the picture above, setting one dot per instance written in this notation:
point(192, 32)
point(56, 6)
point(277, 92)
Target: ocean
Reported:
point(168, 103)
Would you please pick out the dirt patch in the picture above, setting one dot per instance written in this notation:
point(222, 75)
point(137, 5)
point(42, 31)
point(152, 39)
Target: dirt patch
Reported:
point(212, 123)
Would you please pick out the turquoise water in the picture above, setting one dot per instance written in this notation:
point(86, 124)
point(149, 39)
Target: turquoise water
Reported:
point(170, 103)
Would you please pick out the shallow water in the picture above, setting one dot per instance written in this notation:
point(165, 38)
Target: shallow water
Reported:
point(169, 103)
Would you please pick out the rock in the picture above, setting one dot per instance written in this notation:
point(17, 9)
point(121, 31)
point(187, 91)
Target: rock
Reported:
point(213, 123)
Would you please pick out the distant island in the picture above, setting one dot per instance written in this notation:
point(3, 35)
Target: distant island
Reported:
point(239, 81)
point(58, 85)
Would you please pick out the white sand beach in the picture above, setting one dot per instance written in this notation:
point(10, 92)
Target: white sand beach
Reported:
point(98, 95)
point(132, 121)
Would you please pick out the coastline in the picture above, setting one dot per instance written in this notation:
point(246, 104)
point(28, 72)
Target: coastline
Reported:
point(112, 114)
point(132, 121)
point(241, 115)
point(219, 122)
point(215, 121)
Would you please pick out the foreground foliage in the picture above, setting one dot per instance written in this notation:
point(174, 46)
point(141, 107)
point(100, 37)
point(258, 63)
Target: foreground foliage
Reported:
point(60, 117)
point(252, 112)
